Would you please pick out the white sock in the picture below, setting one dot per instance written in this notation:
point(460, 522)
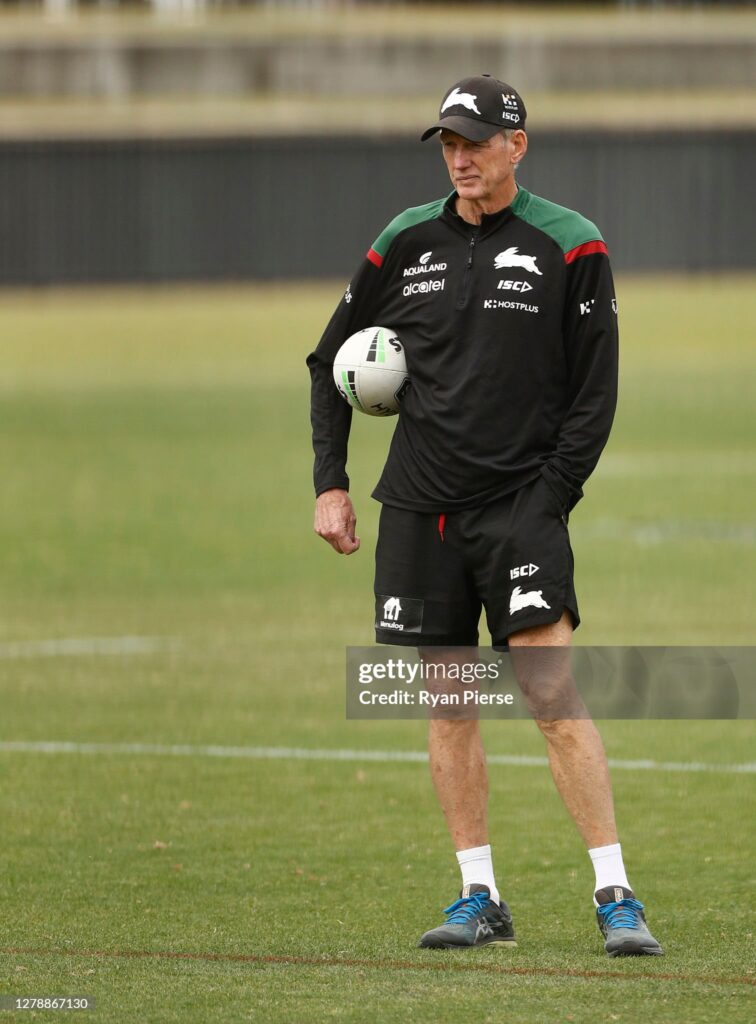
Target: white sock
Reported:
point(477, 868)
point(609, 867)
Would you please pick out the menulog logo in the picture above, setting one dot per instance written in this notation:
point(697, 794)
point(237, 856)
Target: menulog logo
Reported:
point(391, 610)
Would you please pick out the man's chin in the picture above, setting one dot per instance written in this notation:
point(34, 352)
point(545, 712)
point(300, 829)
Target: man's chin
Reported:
point(469, 191)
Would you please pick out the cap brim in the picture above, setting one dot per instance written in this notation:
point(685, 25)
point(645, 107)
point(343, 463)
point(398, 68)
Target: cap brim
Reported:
point(468, 127)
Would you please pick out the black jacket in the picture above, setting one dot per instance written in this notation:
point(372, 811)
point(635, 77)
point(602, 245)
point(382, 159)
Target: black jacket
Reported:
point(510, 333)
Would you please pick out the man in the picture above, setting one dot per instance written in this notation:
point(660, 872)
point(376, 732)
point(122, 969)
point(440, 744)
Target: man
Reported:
point(505, 305)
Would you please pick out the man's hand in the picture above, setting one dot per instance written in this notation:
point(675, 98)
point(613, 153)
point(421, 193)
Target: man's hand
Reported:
point(335, 521)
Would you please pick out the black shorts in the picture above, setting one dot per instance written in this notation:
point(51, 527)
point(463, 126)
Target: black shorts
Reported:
point(433, 574)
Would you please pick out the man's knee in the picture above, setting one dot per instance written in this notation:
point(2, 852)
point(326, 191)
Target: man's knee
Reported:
point(544, 676)
point(542, 662)
point(447, 676)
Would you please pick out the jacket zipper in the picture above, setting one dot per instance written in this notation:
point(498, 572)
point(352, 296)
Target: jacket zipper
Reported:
point(465, 291)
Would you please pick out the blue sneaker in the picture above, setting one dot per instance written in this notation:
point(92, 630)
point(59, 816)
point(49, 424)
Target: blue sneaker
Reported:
point(621, 921)
point(472, 920)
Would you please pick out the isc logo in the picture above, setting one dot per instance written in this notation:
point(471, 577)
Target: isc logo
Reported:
point(515, 286)
point(522, 570)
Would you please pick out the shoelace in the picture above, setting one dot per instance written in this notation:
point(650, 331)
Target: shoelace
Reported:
point(624, 914)
point(463, 909)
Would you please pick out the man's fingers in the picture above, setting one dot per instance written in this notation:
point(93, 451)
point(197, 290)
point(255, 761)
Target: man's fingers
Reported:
point(344, 546)
point(335, 522)
point(348, 545)
point(349, 541)
point(343, 543)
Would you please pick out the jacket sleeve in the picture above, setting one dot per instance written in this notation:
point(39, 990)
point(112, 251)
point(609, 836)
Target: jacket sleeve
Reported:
point(590, 336)
point(330, 415)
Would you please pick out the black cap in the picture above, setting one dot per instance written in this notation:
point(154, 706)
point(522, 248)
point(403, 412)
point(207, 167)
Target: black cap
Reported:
point(479, 107)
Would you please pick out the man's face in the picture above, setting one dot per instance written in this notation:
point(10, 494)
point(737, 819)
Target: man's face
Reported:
point(477, 169)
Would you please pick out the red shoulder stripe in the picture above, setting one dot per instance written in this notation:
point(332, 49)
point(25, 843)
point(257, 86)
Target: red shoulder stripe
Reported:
point(375, 257)
point(586, 249)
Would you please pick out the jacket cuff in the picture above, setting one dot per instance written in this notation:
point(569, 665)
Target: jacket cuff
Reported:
point(341, 484)
point(567, 495)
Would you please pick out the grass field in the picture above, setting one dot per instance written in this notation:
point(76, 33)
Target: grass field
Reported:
point(156, 484)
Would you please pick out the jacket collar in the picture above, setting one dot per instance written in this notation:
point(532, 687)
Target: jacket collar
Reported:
point(490, 221)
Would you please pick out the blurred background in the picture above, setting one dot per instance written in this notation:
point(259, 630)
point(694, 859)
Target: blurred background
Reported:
point(199, 140)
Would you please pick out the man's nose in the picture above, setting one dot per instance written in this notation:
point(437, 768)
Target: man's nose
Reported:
point(461, 158)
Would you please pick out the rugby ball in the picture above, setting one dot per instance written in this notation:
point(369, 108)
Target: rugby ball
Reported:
point(370, 371)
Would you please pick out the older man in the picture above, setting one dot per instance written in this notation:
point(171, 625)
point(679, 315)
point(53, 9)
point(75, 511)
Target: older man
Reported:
point(506, 308)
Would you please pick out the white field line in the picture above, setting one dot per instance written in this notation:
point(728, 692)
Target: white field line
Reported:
point(307, 754)
point(78, 646)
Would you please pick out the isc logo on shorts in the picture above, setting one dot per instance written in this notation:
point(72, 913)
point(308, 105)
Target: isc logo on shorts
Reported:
point(398, 614)
point(522, 570)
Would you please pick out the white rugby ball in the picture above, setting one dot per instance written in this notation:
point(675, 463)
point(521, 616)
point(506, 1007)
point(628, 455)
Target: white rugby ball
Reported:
point(370, 371)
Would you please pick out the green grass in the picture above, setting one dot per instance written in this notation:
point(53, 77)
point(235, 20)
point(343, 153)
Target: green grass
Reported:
point(156, 470)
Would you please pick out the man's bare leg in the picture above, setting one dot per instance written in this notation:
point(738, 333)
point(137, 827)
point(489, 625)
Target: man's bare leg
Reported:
point(576, 752)
point(460, 777)
point(578, 764)
point(576, 757)
point(459, 773)
point(457, 760)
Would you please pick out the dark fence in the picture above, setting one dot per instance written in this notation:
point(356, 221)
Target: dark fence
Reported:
point(272, 208)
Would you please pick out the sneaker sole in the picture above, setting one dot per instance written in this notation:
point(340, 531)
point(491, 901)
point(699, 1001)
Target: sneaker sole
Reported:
point(511, 943)
point(628, 949)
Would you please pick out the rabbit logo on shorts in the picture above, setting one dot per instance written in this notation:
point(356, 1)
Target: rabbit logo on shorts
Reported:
point(530, 599)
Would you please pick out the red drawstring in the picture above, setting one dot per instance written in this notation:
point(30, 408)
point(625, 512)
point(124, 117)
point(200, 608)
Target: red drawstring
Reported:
point(441, 525)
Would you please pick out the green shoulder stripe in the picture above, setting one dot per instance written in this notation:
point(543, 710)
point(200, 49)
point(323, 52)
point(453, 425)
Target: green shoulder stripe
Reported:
point(415, 215)
point(568, 228)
